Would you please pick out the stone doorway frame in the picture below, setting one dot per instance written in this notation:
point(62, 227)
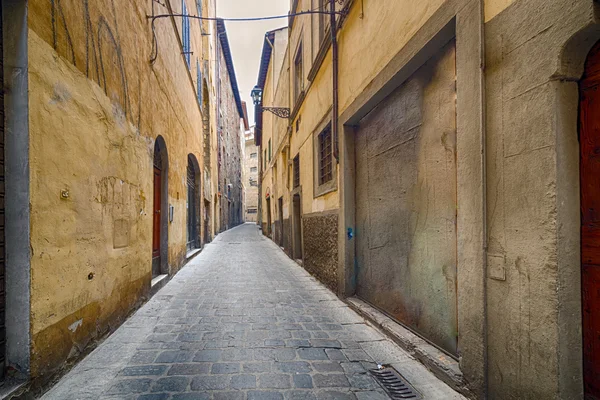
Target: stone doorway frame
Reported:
point(18, 253)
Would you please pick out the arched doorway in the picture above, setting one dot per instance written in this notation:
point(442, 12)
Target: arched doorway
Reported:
point(589, 149)
point(193, 203)
point(160, 210)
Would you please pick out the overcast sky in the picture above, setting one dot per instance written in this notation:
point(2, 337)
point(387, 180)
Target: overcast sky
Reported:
point(246, 38)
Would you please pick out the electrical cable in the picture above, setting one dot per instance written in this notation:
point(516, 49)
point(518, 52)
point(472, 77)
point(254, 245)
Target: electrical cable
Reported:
point(251, 19)
point(154, 52)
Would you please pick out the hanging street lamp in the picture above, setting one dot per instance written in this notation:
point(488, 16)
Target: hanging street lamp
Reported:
point(256, 95)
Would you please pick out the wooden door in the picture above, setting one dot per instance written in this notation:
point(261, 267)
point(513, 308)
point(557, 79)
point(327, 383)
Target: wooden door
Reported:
point(280, 206)
point(2, 221)
point(192, 235)
point(156, 214)
point(589, 144)
point(297, 228)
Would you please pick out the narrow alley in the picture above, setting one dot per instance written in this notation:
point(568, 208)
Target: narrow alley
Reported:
point(243, 321)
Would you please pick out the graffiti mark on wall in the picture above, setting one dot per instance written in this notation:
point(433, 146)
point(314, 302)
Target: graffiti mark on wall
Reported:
point(102, 58)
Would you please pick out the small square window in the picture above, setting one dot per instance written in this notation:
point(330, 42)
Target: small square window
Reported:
point(253, 155)
point(253, 169)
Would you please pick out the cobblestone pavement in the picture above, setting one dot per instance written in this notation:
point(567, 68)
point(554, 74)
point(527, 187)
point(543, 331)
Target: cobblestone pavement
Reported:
point(242, 321)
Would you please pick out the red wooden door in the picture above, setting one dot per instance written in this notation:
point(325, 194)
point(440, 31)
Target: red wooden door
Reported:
point(156, 215)
point(589, 144)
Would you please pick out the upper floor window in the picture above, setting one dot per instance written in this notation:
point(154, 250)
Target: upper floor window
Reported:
point(198, 82)
point(185, 34)
point(296, 171)
point(253, 169)
point(253, 155)
point(325, 156)
point(298, 73)
point(323, 19)
point(270, 154)
point(199, 8)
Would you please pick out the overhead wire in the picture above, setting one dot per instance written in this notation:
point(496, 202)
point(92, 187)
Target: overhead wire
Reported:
point(154, 52)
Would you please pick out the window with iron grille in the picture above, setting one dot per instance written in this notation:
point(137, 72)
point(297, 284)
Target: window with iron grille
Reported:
point(298, 73)
point(296, 171)
point(325, 156)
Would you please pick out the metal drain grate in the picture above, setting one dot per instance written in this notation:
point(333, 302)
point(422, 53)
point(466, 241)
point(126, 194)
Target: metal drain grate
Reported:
point(394, 384)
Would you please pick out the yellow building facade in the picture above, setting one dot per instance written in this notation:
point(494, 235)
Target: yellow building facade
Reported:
point(446, 206)
point(111, 165)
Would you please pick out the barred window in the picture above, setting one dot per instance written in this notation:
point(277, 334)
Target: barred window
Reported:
point(325, 156)
point(297, 171)
point(298, 73)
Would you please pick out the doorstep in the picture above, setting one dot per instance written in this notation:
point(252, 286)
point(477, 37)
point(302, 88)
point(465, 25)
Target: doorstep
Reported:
point(12, 387)
point(192, 253)
point(157, 283)
point(439, 363)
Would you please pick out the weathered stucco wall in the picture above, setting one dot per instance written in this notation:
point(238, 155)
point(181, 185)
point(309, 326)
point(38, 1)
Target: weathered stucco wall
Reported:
point(406, 202)
point(96, 107)
point(533, 286)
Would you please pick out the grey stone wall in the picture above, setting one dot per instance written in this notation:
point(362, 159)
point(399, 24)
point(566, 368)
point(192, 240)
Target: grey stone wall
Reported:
point(321, 247)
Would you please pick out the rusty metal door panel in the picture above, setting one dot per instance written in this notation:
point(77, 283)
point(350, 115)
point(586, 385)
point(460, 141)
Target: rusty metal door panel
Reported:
point(406, 203)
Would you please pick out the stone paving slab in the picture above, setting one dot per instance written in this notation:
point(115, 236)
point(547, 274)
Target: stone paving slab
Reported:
point(243, 321)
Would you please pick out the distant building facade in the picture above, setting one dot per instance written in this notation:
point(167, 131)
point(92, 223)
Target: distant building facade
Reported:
point(251, 176)
point(230, 134)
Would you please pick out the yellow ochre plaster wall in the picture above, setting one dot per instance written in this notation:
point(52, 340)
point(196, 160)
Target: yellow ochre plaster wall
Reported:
point(495, 7)
point(96, 107)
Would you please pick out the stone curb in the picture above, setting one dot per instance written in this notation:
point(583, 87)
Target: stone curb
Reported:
point(439, 363)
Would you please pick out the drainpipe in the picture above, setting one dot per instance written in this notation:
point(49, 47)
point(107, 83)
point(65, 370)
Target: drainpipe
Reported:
point(273, 88)
point(335, 106)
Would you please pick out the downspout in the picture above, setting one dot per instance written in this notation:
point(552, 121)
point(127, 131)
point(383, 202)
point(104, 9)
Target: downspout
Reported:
point(483, 127)
point(273, 89)
point(335, 61)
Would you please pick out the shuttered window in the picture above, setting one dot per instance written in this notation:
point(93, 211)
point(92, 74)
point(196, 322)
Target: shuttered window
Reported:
point(198, 82)
point(185, 34)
